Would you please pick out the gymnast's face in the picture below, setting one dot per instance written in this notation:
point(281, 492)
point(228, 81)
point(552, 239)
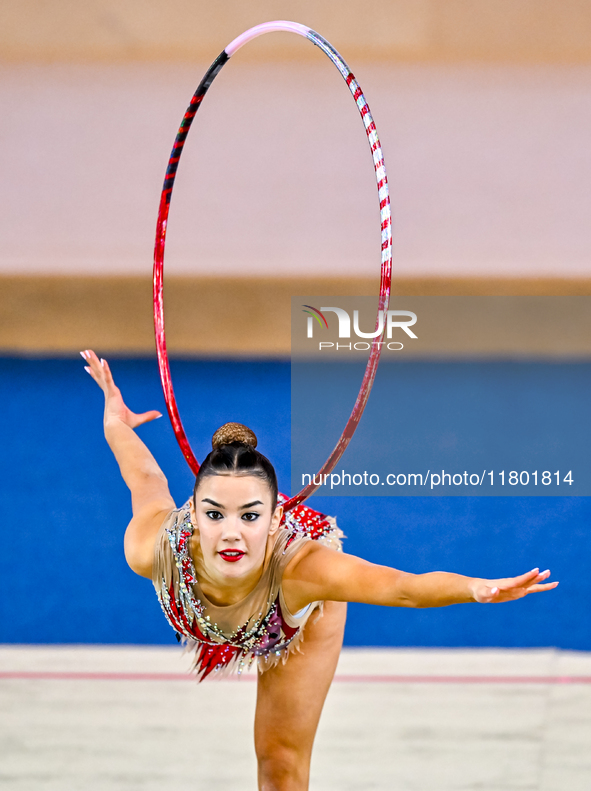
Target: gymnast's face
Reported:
point(235, 517)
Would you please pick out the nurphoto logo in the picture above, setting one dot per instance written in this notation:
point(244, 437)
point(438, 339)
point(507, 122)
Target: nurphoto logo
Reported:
point(388, 321)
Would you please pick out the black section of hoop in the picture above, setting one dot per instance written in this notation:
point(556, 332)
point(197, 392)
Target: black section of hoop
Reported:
point(194, 105)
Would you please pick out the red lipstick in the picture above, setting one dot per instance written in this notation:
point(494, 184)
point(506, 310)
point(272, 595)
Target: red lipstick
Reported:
point(231, 555)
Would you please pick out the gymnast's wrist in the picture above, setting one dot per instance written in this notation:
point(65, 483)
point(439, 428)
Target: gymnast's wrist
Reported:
point(473, 584)
point(113, 424)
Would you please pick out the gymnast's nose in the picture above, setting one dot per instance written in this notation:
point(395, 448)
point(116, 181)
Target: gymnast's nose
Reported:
point(231, 529)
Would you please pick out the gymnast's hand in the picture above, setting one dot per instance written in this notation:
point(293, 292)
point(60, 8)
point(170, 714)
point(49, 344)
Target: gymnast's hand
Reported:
point(511, 588)
point(115, 408)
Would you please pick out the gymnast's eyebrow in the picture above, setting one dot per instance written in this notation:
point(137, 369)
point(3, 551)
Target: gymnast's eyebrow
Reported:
point(212, 502)
point(250, 505)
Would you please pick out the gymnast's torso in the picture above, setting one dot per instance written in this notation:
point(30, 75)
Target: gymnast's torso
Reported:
point(260, 626)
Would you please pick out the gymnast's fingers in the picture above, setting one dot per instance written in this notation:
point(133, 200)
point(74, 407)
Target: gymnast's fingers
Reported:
point(523, 580)
point(91, 359)
point(543, 575)
point(541, 588)
point(93, 368)
point(108, 376)
point(534, 580)
point(102, 368)
point(145, 417)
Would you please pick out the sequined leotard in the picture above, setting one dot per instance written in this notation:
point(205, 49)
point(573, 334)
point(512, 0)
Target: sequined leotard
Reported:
point(258, 627)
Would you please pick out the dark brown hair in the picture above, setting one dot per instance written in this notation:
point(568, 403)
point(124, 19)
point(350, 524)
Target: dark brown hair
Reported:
point(234, 453)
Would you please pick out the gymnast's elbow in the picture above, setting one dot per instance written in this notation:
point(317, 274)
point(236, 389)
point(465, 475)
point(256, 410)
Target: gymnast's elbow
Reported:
point(406, 601)
point(138, 557)
point(403, 593)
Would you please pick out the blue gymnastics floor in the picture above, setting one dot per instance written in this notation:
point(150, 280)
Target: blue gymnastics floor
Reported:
point(65, 508)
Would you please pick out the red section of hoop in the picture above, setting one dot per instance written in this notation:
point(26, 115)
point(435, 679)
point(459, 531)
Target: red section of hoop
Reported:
point(160, 335)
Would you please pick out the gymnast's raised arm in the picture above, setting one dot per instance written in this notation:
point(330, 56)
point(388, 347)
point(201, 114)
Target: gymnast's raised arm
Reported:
point(150, 497)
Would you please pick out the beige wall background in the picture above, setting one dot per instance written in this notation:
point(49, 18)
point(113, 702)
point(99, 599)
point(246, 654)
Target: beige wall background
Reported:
point(516, 31)
point(484, 112)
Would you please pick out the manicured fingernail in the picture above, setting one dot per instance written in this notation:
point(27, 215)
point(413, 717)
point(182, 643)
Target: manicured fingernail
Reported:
point(536, 569)
point(102, 362)
point(83, 355)
point(545, 572)
point(87, 369)
point(157, 416)
point(494, 590)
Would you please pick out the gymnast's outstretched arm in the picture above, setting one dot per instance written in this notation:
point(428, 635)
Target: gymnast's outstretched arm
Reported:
point(150, 496)
point(318, 573)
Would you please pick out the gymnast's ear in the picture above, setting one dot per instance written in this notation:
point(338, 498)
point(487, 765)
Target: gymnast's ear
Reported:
point(193, 515)
point(276, 520)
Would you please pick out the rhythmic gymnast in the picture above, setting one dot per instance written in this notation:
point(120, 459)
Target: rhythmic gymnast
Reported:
point(240, 582)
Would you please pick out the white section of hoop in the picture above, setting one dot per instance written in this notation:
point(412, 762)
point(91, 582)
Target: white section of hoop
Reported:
point(266, 27)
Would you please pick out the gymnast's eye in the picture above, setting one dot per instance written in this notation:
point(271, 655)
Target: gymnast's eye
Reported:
point(250, 516)
point(215, 515)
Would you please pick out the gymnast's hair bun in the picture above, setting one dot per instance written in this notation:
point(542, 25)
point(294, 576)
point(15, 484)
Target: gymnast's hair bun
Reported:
point(233, 432)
